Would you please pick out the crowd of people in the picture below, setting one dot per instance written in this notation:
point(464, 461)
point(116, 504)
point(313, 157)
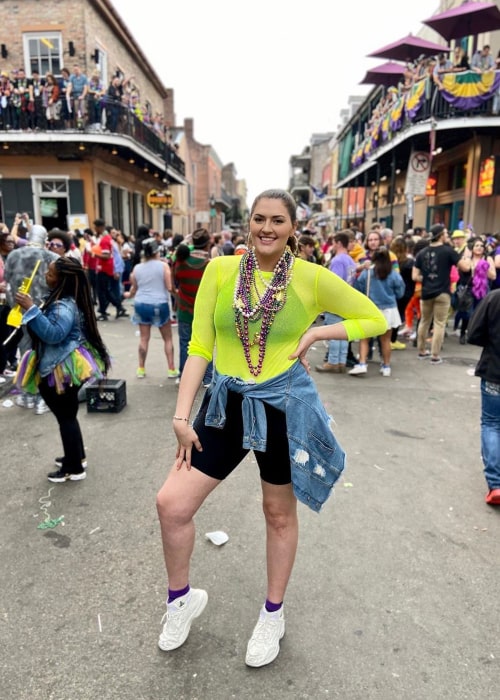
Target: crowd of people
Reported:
point(72, 100)
point(247, 311)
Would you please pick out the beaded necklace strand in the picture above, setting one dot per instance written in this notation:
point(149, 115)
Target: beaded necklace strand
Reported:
point(266, 305)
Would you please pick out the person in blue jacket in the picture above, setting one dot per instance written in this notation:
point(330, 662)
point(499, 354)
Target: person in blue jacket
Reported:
point(384, 286)
point(67, 350)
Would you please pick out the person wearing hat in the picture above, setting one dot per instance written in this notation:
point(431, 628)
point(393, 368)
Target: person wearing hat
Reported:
point(189, 266)
point(459, 240)
point(151, 285)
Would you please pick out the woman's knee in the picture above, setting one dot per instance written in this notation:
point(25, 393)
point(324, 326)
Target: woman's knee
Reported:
point(169, 507)
point(280, 514)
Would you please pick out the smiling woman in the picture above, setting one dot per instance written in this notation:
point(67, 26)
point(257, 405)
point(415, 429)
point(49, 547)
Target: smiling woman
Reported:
point(258, 309)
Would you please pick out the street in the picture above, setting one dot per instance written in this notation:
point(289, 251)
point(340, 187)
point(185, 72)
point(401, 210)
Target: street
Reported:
point(395, 590)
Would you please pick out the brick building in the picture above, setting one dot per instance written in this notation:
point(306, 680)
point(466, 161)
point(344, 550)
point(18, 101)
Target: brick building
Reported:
point(67, 172)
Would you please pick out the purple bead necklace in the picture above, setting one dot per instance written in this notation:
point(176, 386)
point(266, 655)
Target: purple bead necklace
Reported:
point(266, 305)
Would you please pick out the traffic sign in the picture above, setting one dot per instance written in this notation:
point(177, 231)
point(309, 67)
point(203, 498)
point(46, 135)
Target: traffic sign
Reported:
point(419, 168)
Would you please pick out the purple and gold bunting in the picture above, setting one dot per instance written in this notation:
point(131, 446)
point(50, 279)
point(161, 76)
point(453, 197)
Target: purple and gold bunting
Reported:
point(469, 89)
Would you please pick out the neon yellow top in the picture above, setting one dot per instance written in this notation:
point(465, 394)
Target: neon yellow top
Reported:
point(312, 290)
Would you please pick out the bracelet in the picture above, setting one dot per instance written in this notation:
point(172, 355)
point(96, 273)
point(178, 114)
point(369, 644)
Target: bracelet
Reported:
point(179, 418)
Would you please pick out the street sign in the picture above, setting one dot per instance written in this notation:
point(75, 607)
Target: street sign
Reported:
point(419, 168)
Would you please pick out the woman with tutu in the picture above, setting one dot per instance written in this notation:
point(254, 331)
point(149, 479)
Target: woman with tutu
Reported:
point(67, 351)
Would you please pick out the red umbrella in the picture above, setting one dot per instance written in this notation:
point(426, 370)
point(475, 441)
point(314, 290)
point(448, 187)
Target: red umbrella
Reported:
point(409, 48)
point(386, 74)
point(468, 19)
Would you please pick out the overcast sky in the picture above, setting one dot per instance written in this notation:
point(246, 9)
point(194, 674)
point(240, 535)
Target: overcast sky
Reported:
point(259, 78)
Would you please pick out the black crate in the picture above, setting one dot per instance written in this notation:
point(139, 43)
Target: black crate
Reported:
point(106, 396)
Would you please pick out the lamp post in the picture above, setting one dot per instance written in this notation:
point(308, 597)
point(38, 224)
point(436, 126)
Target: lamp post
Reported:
point(213, 213)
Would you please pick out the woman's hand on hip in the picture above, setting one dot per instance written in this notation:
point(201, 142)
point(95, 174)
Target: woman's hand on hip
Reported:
point(303, 346)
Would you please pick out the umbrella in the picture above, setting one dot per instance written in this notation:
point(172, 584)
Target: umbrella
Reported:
point(468, 19)
point(386, 74)
point(409, 48)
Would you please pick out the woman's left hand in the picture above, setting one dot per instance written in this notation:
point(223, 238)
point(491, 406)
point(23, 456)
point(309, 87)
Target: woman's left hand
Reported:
point(305, 343)
point(24, 300)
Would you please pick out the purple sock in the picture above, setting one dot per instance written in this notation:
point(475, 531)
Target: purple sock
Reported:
point(173, 595)
point(273, 607)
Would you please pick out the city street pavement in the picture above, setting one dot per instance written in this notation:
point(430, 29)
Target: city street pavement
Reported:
point(395, 591)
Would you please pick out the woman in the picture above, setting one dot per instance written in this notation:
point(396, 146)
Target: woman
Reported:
point(473, 284)
point(306, 247)
point(51, 96)
point(384, 286)
point(67, 351)
point(402, 249)
point(258, 309)
point(460, 60)
point(151, 284)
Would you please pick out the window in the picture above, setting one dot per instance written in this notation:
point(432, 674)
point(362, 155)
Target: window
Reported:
point(42, 52)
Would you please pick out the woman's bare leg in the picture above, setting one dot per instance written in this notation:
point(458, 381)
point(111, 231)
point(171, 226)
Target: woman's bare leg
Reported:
point(145, 335)
point(282, 528)
point(177, 502)
point(166, 334)
point(385, 347)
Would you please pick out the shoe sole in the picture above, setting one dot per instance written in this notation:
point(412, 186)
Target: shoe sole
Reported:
point(67, 477)
point(196, 613)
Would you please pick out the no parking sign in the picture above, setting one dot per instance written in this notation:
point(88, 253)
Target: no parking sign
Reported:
point(419, 168)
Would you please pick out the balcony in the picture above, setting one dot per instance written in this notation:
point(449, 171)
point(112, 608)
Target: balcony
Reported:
point(425, 118)
point(124, 136)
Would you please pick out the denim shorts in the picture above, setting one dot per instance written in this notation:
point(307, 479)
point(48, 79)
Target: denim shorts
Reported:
point(151, 314)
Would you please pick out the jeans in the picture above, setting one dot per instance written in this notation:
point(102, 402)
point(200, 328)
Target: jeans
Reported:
point(184, 330)
point(490, 432)
point(65, 408)
point(337, 349)
point(106, 292)
point(436, 308)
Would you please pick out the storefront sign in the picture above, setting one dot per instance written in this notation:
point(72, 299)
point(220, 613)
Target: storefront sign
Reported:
point(160, 199)
point(77, 221)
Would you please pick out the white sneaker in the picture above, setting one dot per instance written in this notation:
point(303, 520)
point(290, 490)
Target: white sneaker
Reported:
point(41, 407)
point(358, 369)
point(25, 400)
point(385, 371)
point(178, 618)
point(264, 644)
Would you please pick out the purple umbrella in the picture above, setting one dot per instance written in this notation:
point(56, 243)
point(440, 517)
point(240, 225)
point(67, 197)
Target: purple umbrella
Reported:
point(386, 74)
point(468, 19)
point(409, 48)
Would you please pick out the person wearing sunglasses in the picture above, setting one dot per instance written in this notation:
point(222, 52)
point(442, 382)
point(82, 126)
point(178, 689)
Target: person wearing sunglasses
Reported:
point(59, 242)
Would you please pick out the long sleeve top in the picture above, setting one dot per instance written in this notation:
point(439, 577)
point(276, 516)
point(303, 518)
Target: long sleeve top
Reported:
point(313, 289)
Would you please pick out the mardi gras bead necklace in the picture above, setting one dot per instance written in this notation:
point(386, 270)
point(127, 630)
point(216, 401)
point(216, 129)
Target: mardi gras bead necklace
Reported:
point(250, 305)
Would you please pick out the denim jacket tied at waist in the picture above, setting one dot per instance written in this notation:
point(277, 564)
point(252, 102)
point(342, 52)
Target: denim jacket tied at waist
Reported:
point(316, 458)
point(59, 330)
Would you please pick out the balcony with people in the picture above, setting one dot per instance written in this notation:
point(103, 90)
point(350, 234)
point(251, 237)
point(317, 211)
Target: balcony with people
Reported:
point(73, 112)
point(434, 98)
